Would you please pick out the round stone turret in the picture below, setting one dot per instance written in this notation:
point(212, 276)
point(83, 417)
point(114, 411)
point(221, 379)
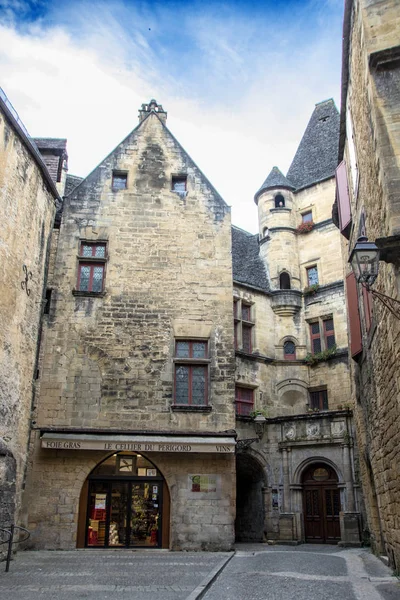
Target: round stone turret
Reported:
point(277, 230)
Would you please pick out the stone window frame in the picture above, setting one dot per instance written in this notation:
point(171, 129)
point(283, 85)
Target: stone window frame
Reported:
point(92, 261)
point(242, 324)
point(306, 213)
point(279, 200)
point(122, 175)
point(191, 362)
point(289, 356)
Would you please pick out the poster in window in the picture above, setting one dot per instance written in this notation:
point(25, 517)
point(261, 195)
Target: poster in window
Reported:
point(151, 472)
point(100, 501)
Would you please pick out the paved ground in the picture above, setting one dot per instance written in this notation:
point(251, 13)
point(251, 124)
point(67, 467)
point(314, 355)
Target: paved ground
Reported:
point(256, 572)
point(306, 572)
point(101, 575)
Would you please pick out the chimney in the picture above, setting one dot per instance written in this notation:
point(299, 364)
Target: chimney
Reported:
point(152, 106)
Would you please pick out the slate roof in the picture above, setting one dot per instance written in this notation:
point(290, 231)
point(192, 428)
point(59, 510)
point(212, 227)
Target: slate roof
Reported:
point(51, 143)
point(275, 179)
point(71, 182)
point(316, 156)
point(248, 267)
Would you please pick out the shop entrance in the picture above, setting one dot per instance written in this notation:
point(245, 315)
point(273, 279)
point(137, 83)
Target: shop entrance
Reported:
point(125, 504)
point(321, 501)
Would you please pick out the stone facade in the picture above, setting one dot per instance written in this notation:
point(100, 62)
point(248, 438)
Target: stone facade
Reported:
point(27, 206)
point(107, 361)
point(295, 434)
point(370, 147)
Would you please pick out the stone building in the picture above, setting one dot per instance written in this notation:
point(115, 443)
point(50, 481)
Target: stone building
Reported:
point(368, 204)
point(141, 405)
point(28, 199)
point(291, 355)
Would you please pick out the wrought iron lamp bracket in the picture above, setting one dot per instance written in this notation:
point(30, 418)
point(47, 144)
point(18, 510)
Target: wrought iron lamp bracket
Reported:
point(391, 304)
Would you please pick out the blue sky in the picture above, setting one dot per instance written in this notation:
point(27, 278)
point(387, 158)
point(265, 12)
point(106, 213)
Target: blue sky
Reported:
point(239, 79)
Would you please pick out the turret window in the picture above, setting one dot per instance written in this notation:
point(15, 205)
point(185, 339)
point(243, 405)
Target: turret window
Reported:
point(284, 281)
point(279, 201)
point(289, 350)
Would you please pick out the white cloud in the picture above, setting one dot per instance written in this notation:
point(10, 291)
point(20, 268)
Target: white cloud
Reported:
point(239, 105)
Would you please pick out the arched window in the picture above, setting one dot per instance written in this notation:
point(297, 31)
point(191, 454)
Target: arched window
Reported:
point(289, 350)
point(284, 281)
point(279, 201)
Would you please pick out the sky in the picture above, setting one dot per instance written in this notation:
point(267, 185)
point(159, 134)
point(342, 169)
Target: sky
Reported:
point(238, 79)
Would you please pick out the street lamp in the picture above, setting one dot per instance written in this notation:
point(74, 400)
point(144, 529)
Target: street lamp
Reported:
point(364, 260)
point(259, 424)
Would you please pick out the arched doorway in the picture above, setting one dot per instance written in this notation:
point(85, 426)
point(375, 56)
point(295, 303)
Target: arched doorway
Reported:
point(321, 503)
point(250, 511)
point(124, 504)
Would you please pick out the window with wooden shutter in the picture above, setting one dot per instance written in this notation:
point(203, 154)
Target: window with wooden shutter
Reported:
point(367, 303)
point(343, 199)
point(244, 400)
point(354, 315)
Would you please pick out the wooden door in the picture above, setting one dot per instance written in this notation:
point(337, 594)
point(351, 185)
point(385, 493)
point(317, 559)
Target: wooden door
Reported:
point(321, 500)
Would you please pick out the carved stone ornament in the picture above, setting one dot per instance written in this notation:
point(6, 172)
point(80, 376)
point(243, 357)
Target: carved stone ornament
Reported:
point(290, 433)
point(337, 428)
point(313, 429)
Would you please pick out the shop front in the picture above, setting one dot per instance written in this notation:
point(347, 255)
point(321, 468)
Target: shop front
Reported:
point(126, 491)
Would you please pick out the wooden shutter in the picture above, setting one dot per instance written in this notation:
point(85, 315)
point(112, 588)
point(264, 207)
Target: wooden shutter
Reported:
point(343, 199)
point(367, 301)
point(354, 315)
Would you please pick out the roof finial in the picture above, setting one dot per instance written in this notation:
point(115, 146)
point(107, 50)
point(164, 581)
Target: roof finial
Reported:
point(152, 106)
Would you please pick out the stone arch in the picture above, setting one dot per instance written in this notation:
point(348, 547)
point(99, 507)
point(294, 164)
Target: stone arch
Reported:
point(279, 200)
point(284, 280)
point(308, 462)
point(251, 480)
point(292, 393)
point(81, 488)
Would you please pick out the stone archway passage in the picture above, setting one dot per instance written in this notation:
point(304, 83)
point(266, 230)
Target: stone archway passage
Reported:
point(122, 504)
point(321, 503)
point(250, 511)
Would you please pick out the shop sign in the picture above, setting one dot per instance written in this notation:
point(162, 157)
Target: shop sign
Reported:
point(78, 442)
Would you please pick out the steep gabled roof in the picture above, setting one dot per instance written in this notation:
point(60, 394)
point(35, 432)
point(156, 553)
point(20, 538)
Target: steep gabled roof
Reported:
point(316, 156)
point(275, 179)
point(248, 267)
point(71, 182)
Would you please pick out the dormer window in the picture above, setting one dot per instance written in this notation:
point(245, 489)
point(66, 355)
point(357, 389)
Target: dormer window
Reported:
point(279, 201)
point(179, 183)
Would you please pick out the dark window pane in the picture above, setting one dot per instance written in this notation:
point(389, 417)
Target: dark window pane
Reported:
point(246, 312)
point(328, 325)
point(182, 349)
point(84, 277)
point(316, 345)
point(97, 285)
point(198, 385)
point(314, 328)
point(330, 341)
point(324, 399)
point(199, 350)
point(246, 335)
point(289, 348)
point(182, 385)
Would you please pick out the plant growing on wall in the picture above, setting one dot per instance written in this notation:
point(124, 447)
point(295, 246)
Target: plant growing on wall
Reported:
point(313, 359)
point(305, 227)
point(310, 290)
point(261, 411)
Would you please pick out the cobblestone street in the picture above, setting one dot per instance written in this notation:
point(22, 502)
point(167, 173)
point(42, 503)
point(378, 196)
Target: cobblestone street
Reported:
point(255, 572)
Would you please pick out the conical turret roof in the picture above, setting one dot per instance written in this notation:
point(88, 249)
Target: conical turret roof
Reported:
point(275, 179)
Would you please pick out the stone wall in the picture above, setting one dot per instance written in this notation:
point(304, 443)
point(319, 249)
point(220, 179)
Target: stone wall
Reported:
point(373, 102)
point(27, 208)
